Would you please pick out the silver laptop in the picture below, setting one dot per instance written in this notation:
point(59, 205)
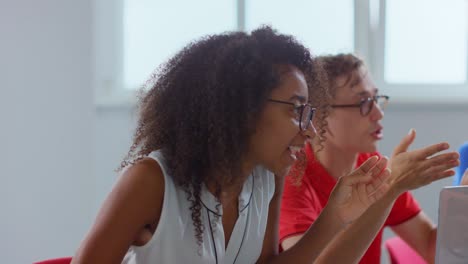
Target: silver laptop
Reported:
point(452, 233)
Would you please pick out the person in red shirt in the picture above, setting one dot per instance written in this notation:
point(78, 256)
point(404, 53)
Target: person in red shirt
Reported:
point(353, 130)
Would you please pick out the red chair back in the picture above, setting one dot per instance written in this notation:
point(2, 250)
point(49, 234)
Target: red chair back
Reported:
point(402, 253)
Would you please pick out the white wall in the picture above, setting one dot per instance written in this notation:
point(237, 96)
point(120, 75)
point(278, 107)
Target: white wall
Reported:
point(47, 190)
point(114, 131)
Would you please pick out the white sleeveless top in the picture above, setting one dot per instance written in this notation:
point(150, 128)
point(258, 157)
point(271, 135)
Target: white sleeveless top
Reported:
point(174, 238)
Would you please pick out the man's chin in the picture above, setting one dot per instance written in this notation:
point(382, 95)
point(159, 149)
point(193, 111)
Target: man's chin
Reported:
point(370, 148)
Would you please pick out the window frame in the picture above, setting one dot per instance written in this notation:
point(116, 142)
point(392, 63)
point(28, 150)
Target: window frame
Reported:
point(369, 41)
point(405, 93)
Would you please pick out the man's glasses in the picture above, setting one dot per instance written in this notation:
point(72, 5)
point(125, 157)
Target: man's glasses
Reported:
point(305, 112)
point(367, 104)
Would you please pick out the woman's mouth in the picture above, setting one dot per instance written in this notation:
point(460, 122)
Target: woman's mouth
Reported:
point(293, 151)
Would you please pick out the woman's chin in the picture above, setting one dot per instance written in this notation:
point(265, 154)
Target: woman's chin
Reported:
point(281, 171)
point(288, 163)
point(281, 168)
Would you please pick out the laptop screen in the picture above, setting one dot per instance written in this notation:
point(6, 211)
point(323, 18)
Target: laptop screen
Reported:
point(452, 233)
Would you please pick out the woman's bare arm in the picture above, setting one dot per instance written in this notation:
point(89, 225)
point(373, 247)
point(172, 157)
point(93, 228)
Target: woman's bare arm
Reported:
point(135, 202)
point(329, 223)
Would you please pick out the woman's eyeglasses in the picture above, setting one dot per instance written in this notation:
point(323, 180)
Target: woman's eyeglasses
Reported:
point(304, 111)
point(367, 104)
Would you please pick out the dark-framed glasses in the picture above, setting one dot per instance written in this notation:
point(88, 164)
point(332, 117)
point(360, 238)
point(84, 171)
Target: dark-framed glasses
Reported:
point(366, 105)
point(305, 113)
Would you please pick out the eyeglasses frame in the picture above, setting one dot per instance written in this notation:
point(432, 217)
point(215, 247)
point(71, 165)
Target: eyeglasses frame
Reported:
point(300, 108)
point(363, 101)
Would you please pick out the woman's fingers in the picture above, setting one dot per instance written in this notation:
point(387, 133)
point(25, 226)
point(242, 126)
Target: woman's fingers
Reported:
point(368, 165)
point(379, 167)
point(445, 174)
point(370, 191)
point(431, 150)
point(437, 170)
point(383, 188)
point(362, 194)
point(366, 173)
point(377, 181)
point(445, 158)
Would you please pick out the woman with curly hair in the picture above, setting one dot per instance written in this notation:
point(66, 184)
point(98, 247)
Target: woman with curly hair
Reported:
point(218, 130)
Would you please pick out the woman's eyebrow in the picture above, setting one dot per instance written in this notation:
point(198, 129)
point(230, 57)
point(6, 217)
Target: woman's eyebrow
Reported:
point(299, 98)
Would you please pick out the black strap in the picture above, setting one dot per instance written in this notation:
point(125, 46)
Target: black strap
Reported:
point(212, 237)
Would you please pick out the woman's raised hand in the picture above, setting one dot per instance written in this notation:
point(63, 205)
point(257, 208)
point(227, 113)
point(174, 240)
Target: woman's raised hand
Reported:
point(354, 193)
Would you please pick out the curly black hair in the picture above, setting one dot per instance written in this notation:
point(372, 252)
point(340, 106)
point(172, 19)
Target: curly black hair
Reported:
point(202, 106)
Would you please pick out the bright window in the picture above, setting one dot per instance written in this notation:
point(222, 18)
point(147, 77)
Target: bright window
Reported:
point(323, 26)
point(154, 30)
point(426, 41)
point(416, 50)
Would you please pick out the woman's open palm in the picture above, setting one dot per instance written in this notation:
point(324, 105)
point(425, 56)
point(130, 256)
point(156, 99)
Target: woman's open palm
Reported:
point(354, 193)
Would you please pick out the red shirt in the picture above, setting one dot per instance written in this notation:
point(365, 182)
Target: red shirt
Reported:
point(301, 205)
